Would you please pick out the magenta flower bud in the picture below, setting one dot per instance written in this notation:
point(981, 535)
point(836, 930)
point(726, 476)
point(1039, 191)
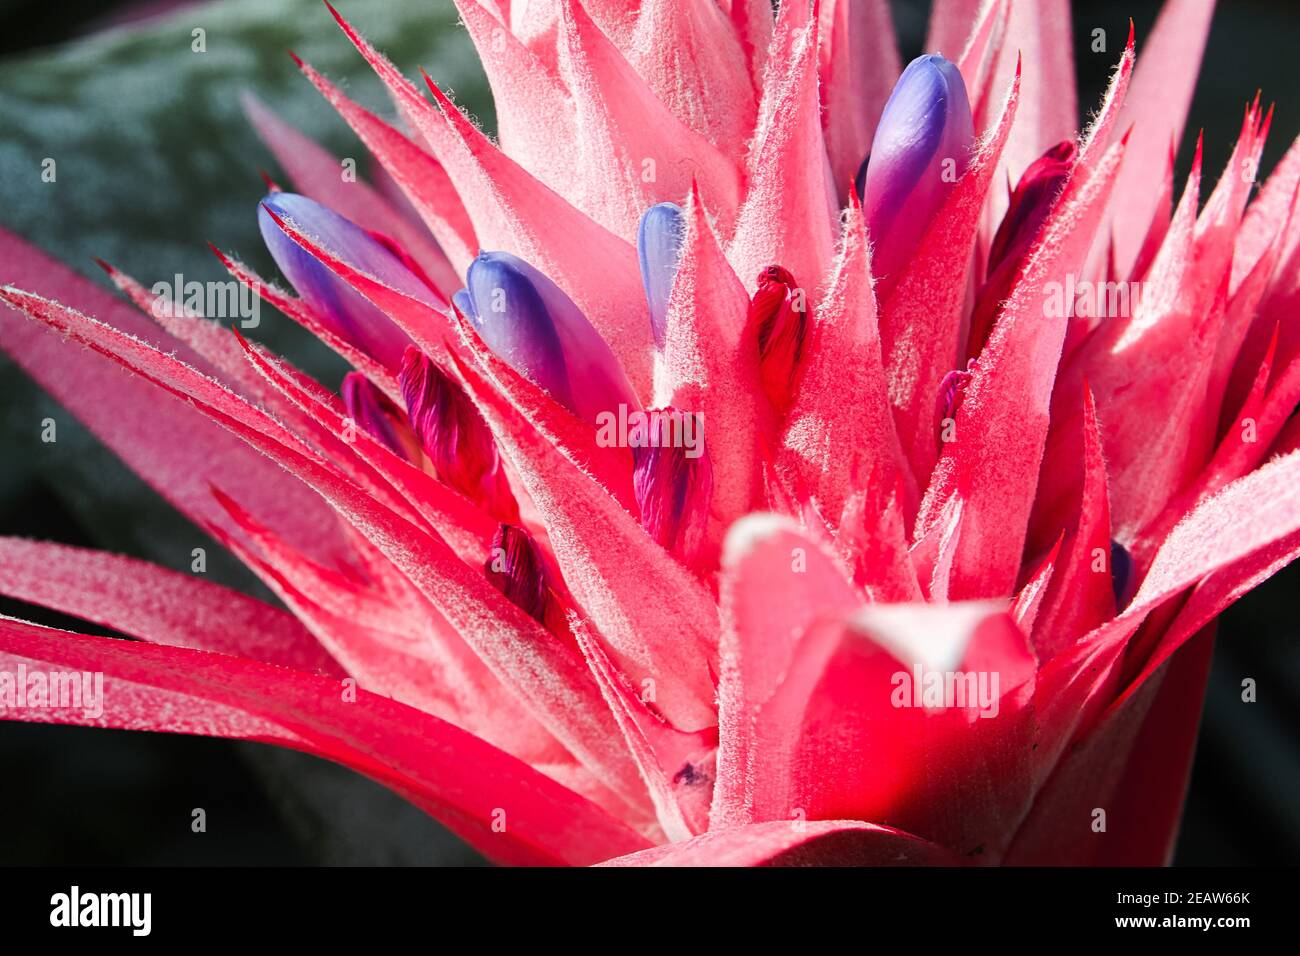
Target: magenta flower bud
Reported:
point(952, 389)
point(1031, 201)
point(779, 315)
point(920, 150)
point(659, 246)
point(516, 568)
point(528, 321)
point(454, 436)
point(342, 308)
point(376, 414)
point(673, 480)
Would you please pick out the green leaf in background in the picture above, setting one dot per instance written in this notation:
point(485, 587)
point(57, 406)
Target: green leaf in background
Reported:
point(154, 159)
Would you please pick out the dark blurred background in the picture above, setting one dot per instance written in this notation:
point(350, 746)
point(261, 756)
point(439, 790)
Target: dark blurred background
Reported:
point(155, 158)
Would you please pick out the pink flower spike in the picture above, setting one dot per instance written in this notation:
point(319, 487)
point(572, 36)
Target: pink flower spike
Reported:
point(647, 648)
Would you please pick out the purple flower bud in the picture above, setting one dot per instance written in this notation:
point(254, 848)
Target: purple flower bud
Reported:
point(1122, 578)
point(454, 436)
point(952, 389)
point(673, 481)
point(378, 416)
point(920, 150)
point(528, 321)
point(345, 310)
point(516, 569)
point(659, 245)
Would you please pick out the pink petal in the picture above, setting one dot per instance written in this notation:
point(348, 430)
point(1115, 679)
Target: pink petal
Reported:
point(978, 50)
point(424, 182)
point(840, 430)
point(858, 66)
point(1029, 600)
point(370, 633)
point(951, 24)
point(464, 526)
point(1271, 217)
point(809, 727)
point(873, 532)
point(156, 605)
point(517, 214)
point(318, 174)
point(921, 312)
point(512, 212)
point(1236, 539)
point(551, 681)
point(753, 21)
point(1156, 110)
point(693, 60)
point(681, 801)
point(218, 350)
point(449, 774)
point(625, 130)
point(819, 843)
point(775, 585)
point(1134, 767)
point(710, 365)
point(1081, 597)
point(1038, 41)
point(159, 438)
point(536, 121)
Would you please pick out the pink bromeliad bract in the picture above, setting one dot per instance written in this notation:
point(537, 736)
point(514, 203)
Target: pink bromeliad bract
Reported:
point(755, 455)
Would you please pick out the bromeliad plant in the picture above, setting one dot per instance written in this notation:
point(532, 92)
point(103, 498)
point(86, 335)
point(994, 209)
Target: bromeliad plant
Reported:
point(938, 586)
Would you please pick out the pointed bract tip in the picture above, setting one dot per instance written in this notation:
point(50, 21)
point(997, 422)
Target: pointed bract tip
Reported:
point(296, 59)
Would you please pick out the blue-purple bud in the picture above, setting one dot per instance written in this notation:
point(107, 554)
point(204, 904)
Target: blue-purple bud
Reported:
point(921, 148)
point(337, 304)
point(528, 321)
point(659, 246)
